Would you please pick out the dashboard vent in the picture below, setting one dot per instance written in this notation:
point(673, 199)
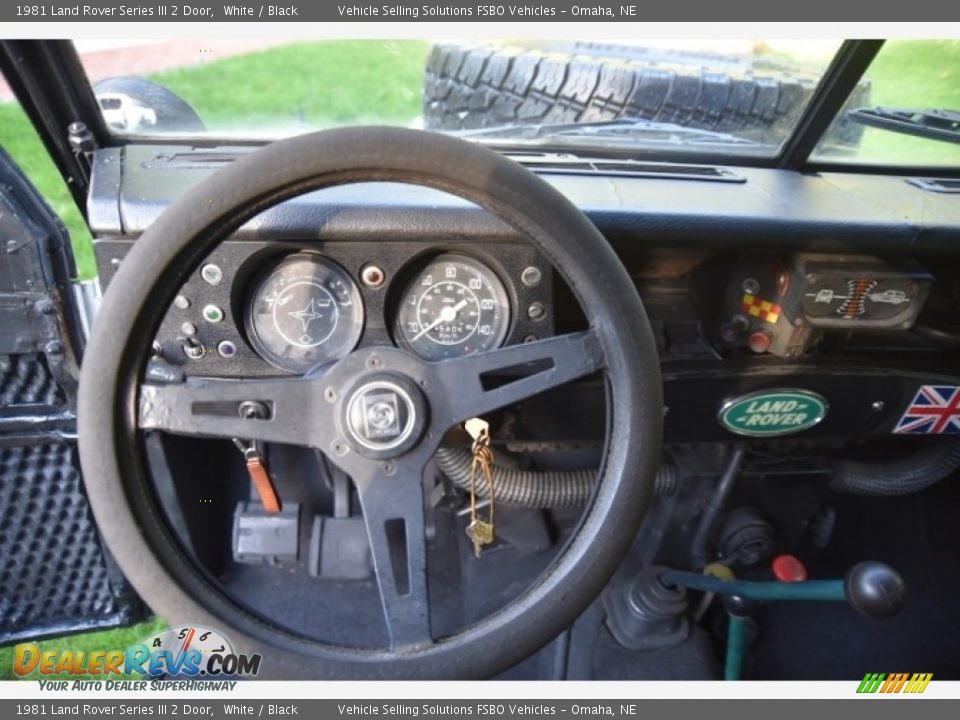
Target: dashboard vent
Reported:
point(212, 159)
point(541, 163)
point(562, 165)
point(938, 185)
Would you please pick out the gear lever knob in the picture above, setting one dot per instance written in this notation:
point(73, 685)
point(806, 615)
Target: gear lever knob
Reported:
point(874, 589)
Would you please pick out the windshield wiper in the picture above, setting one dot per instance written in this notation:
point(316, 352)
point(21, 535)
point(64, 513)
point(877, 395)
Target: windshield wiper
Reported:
point(645, 130)
point(934, 124)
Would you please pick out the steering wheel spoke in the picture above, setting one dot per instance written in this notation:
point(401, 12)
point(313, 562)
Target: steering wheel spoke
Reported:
point(481, 383)
point(393, 511)
point(282, 410)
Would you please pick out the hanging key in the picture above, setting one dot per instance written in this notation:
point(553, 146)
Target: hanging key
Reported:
point(259, 476)
point(480, 531)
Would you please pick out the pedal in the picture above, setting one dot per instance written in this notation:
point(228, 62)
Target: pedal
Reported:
point(264, 537)
point(340, 549)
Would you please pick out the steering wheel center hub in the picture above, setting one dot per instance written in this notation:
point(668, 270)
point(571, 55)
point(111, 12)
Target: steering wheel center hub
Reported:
point(384, 416)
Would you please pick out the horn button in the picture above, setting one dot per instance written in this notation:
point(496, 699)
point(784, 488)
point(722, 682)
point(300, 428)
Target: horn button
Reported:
point(384, 416)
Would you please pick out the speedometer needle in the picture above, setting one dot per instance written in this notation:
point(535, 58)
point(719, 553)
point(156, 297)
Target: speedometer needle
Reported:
point(447, 315)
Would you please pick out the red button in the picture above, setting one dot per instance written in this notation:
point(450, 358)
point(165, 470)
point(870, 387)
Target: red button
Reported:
point(787, 568)
point(759, 341)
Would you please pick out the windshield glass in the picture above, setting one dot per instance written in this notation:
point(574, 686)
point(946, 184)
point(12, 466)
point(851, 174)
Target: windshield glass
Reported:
point(906, 80)
point(735, 97)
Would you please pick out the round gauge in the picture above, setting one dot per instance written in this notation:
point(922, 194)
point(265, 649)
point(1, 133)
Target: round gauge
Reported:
point(305, 311)
point(453, 307)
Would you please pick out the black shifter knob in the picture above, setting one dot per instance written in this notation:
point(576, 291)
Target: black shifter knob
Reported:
point(874, 589)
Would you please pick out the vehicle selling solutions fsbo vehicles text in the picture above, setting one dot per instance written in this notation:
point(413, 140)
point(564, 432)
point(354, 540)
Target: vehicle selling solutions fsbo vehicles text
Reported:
point(482, 10)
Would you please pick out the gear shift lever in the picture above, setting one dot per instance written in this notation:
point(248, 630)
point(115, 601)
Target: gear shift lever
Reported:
point(872, 588)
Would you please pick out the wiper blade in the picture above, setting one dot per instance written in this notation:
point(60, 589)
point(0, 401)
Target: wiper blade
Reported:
point(661, 133)
point(933, 124)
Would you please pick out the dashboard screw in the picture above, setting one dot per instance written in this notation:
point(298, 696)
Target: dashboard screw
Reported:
point(181, 302)
point(372, 276)
point(530, 338)
point(388, 468)
point(374, 361)
point(750, 285)
point(339, 448)
point(330, 395)
point(44, 307)
point(531, 276)
point(536, 311)
point(254, 409)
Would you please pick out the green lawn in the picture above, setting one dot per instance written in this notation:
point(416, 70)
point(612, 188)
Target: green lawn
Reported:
point(917, 75)
point(291, 88)
point(88, 642)
point(332, 83)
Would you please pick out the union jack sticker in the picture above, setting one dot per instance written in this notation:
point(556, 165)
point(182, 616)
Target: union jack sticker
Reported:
point(935, 410)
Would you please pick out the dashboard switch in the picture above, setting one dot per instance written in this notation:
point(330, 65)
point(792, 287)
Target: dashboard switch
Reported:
point(193, 349)
point(760, 341)
point(787, 568)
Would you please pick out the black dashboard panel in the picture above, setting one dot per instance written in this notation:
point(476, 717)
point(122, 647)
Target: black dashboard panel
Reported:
point(773, 209)
point(707, 258)
point(240, 263)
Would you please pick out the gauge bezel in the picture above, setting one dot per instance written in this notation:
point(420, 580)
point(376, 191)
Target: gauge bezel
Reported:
point(343, 347)
point(409, 278)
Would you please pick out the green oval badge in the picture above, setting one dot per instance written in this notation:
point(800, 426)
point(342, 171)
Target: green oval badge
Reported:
point(773, 412)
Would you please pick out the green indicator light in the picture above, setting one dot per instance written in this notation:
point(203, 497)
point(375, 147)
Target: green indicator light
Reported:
point(211, 313)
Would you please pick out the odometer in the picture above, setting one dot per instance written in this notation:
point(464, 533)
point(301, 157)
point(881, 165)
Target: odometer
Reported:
point(454, 306)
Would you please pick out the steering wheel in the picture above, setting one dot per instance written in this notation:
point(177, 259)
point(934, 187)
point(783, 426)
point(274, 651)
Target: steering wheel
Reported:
point(117, 403)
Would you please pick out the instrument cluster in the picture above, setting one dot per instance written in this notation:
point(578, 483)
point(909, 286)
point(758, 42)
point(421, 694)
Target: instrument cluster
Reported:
point(258, 308)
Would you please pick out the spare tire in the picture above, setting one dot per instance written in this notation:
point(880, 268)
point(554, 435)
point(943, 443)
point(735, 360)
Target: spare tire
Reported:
point(488, 85)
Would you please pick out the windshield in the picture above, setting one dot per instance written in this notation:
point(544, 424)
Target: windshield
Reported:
point(735, 97)
point(908, 78)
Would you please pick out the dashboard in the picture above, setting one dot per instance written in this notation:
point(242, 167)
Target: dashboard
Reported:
point(844, 285)
point(262, 308)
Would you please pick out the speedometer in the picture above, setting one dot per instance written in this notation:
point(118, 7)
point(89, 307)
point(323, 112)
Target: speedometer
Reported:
point(454, 306)
point(305, 311)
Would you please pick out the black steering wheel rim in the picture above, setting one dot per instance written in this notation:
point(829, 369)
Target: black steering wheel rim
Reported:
point(162, 259)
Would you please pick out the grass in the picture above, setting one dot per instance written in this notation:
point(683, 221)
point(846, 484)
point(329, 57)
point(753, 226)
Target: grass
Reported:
point(300, 87)
point(88, 642)
point(917, 75)
point(18, 138)
point(288, 89)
